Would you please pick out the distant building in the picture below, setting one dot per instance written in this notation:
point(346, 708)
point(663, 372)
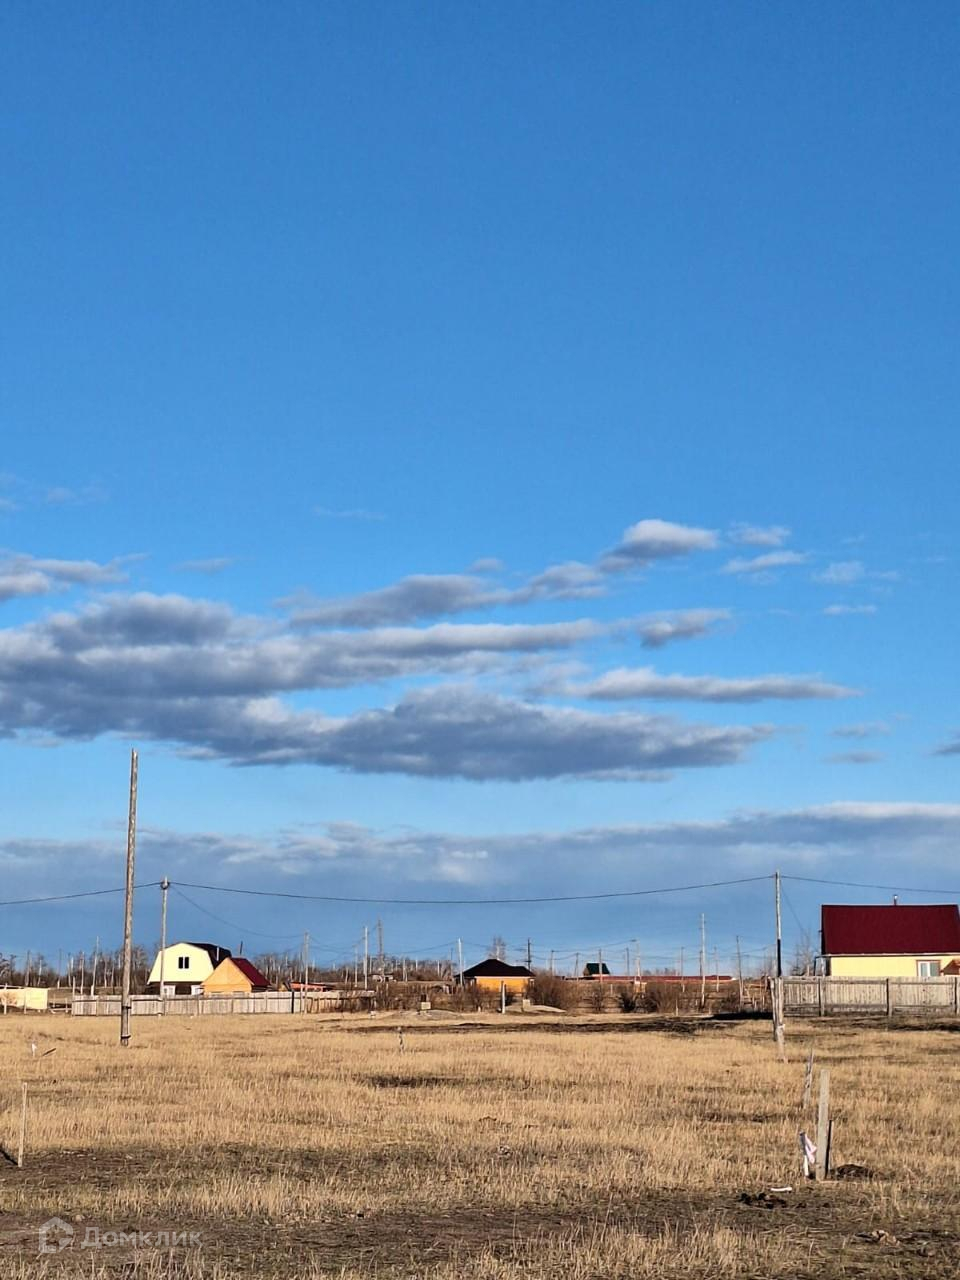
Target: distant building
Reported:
point(489, 974)
point(889, 941)
point(235, 975)
point(186, 966)
point(596, 970)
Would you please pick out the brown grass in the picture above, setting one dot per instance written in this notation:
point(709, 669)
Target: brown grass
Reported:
point(306, 1147)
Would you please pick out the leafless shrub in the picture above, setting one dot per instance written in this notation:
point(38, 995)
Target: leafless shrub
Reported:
point(670, 997)
point(548, 989)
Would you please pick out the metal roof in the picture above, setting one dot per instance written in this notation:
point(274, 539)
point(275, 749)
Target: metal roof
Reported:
point(890, 930)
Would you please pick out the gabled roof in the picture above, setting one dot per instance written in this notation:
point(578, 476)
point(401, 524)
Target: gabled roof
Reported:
point(890, 930)
point(494, 968)
point(249, 970)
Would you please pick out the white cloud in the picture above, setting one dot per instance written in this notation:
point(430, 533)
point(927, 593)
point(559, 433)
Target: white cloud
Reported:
point(211, 565)
point(643, 682)
point(766, 563)
point(867, 729)
point(749, 535)
point(686, 624)
point(26, 575)
point(849, 610)
point(841, 572)
point(650, 540)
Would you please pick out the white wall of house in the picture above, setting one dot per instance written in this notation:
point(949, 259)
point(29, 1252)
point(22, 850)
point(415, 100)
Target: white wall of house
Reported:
point(183, 962)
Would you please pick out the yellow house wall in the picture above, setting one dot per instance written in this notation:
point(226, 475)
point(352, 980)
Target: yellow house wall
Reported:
point(227, 979)
point(511, 984)
point(880, 966)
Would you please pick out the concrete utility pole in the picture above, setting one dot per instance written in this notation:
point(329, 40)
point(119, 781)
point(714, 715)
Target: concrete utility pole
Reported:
point(529, 954)
point(739, 972)
point(366, 957)
point(460, 958)
point(306, 972)
point(125, 1002)
point(380, 949)
point(164, 886)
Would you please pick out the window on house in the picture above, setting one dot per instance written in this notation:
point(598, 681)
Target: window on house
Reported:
point(183, 962)
point(928, 968)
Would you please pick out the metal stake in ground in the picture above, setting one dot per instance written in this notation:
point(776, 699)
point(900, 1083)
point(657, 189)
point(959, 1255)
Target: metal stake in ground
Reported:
point(125, 1003)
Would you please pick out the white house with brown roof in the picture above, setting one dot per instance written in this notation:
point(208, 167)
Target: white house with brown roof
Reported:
point(186, 966)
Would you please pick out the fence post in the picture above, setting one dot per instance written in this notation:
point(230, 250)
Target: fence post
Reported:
point(820, 996)
point(889, 998)
point(956, 994)
point(823, 1127)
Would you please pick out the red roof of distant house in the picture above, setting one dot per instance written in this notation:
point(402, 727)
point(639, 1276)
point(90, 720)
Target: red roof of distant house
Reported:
point(250, 971)
point(890, 930)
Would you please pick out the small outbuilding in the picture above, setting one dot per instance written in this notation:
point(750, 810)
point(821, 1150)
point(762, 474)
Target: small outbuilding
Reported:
point(491, 973)
point(235, 976)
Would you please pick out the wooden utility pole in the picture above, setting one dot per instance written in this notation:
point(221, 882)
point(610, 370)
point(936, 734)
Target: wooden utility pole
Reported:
point(529, 954)
point(380, 949)
point(366, 957)
point(703, 959)
point(739, 973)
point(777, 1000)
point(164, 886)
point(125, 1002)
point(460, 959)
point(306, 972)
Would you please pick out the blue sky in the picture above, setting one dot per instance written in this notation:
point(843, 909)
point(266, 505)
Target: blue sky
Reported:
point(477, 452)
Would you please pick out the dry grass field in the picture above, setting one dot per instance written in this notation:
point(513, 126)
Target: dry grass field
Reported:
point(304, 1147)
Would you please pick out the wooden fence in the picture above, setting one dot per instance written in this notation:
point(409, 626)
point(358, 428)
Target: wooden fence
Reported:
point(195, 1006)
point(805, 997)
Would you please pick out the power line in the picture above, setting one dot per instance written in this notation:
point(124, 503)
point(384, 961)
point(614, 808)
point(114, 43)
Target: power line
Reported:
point(70, 897)
point(473, 902)
point(241, 928)
point(884, 888)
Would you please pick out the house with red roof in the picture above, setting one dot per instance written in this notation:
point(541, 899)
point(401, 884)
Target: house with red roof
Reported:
point(235, 976)
point(890, 941)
